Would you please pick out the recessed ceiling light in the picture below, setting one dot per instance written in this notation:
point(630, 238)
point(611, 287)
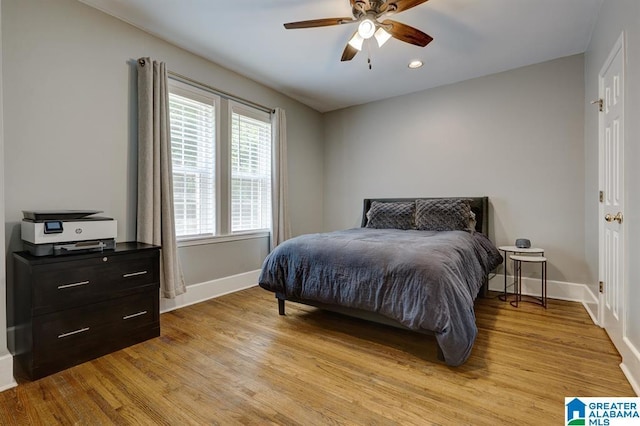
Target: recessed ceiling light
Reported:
point(415, 64)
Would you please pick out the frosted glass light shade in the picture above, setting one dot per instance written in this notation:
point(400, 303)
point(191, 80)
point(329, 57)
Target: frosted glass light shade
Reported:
point(356, 42)
point(382, 36)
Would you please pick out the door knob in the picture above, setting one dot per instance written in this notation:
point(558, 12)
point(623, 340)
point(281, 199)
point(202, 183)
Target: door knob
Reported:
point(609, 218)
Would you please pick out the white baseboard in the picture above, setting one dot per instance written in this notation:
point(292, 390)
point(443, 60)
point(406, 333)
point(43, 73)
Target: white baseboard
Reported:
point(561, 290)
point(6, 372)
point(631, 364)
point(591, 305)
point(197, 293)
point(532, 287)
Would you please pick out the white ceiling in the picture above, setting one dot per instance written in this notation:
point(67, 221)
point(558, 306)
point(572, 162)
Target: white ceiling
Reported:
point(471, 38)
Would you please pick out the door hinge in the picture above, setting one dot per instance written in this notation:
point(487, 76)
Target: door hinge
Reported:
point(600, 104)
point(601, 196)
point(601, 287)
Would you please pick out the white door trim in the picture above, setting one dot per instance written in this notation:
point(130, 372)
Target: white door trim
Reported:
point(630, 354)
point(617, 48)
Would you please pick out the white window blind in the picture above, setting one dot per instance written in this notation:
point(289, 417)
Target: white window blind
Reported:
point(250, 169)
point(193, 148)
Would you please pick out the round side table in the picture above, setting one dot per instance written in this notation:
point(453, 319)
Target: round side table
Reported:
point(515, 250)
point(541, 260)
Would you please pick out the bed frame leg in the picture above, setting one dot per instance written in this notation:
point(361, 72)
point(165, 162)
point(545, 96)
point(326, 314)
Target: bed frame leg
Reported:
point(484, 290)
point(281, 306)
point(440, 353)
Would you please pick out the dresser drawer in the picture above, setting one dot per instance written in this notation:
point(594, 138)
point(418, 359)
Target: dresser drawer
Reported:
point(66, 310)
point(74, 283)
point(80, 329)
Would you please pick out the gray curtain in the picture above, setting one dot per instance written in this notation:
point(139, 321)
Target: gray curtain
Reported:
point(155, 176)
point(280, 227)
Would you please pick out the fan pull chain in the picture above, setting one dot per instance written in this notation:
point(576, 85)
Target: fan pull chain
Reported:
point(368, 54)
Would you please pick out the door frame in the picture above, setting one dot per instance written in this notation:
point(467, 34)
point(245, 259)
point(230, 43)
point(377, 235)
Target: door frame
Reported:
point(619, 46)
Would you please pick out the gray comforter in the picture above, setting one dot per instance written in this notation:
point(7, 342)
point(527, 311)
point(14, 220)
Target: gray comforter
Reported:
point(425, 280)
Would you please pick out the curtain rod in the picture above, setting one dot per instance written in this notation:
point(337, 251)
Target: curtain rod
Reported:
point(187, 80)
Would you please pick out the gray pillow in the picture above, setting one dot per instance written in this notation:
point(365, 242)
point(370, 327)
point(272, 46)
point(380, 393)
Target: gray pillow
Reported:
point(443, 214)
point(397, 215)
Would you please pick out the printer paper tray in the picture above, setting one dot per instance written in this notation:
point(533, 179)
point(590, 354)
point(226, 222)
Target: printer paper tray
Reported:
point(58, 249)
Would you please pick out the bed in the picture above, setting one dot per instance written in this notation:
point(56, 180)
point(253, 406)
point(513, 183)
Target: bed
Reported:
point(416, 263)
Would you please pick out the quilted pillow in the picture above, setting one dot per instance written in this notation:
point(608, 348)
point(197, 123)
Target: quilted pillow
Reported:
point(398, 215)
point(443, 214)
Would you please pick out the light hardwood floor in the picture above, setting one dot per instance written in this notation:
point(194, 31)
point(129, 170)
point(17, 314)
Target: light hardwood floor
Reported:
point(234, 360)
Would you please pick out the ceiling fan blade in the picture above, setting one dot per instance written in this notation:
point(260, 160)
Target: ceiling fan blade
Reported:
point(402, 5)
point(318, 23)
point(406, 33)
point(349, 53)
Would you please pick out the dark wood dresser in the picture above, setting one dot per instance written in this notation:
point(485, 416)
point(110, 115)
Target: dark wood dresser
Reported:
point(70, 309)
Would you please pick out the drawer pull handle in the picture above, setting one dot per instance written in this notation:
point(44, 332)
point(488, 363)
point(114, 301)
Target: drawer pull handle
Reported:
point(126, 317)
point(133, 274)
point(60, 287)
point(71, 333)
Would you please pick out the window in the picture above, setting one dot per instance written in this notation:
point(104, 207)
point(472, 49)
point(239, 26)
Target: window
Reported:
point(217, 143)
point(250, 169)
point(193, 148)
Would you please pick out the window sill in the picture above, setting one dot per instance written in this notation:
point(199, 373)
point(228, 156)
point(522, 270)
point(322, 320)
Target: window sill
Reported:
point(198, 241)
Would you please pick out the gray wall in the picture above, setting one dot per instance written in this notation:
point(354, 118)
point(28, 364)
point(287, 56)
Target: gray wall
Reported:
point(515, 136)
point(3, 319)
point(70, 128)
point(615, 17)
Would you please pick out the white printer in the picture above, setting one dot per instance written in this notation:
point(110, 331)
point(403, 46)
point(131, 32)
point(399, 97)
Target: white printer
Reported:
point(57, 232)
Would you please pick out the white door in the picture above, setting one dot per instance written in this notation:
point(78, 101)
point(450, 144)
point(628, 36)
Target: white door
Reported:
point(612, 225)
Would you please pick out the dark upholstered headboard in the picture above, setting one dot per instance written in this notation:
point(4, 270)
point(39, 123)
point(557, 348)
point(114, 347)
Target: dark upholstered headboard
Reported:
point(479, 205)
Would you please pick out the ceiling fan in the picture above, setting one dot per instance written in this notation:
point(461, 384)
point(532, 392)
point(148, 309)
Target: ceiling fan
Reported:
point(366, 13)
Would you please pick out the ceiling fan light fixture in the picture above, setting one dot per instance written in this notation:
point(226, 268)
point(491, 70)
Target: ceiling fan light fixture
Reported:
point(368, 15)
point(356, 42)
point(382, 36)
point(366, 28)
point(415, 64)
